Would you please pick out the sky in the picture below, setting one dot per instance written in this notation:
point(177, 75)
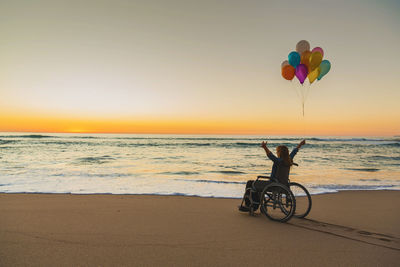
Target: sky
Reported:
point(197, 67)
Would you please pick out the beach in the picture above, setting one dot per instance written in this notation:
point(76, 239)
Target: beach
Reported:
point(349, 228)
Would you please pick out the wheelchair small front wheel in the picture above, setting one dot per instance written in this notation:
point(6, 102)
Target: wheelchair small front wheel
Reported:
point(278, 202)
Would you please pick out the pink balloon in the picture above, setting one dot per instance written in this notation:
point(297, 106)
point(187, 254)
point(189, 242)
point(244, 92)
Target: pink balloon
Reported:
point(301, 72)
point(319, 49)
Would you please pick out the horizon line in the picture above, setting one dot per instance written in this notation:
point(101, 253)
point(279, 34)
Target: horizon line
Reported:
point(235, 134)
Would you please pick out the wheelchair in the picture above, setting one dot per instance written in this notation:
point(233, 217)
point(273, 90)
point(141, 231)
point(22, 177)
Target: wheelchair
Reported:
point(277, 201)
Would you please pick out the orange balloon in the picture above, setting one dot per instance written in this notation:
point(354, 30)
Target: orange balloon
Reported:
point(305, 59)
point(288, 72)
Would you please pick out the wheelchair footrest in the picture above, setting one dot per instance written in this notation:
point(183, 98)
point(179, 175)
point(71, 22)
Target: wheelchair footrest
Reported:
point(244, 209)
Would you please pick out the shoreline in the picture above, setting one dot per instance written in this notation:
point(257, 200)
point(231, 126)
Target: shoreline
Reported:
point(346, 228)
point(184, 195)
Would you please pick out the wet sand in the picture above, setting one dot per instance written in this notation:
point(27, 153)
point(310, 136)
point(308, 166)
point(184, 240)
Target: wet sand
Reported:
point(352, 228)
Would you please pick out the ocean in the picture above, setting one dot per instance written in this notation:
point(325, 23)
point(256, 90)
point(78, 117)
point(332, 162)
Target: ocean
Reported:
point(193, 165)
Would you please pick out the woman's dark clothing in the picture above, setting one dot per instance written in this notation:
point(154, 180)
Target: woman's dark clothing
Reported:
point(280, 171)
point(259, 186)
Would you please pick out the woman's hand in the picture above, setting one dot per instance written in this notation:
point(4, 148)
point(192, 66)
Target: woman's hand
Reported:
point(302, 143)
point(264, 144)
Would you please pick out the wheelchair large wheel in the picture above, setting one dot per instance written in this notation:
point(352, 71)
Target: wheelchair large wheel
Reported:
point(303, 200)
point(277, 202)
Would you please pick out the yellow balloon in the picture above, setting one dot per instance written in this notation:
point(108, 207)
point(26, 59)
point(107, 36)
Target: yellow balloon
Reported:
point(315, 60)
point(312, 76)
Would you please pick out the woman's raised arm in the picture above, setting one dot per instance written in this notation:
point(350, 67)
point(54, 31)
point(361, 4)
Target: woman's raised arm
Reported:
point(302, 143)
point(270, 155)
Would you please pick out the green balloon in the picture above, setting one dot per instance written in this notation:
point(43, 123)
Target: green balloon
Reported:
point(324, 67)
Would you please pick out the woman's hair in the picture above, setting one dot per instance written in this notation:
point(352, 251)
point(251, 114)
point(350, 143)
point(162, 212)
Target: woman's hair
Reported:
point(283, 153)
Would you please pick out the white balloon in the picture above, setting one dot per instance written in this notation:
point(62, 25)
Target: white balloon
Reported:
point(302, 46)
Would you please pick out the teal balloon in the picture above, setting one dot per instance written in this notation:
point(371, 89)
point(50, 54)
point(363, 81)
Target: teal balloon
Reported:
point(324, 67)
point(294, 59)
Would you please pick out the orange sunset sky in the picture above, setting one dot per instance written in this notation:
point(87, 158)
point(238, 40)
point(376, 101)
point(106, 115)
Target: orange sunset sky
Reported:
point(197, 67)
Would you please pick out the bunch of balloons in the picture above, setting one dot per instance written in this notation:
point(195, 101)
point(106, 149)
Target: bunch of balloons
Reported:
point(304, 63)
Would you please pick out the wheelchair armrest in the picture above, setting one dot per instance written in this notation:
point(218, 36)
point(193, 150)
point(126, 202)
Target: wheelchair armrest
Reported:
point(263, 177)
point(266, 177)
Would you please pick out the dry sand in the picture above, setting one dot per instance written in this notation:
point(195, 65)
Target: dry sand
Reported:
point(353, 228)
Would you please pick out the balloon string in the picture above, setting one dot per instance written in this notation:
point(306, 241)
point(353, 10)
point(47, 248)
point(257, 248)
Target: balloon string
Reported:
point(308, 89)
point(296, 89)
point(301, 92)
point(305, 92)
point(302, 100)
point(301, 95)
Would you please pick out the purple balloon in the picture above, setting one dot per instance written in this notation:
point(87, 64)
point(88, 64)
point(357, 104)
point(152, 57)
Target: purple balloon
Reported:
point(301, 72)
point(318, 49)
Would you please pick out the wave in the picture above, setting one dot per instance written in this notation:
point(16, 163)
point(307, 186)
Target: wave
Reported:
point(29, 136)
point(180, 173)
point(66, 142)
point(211, 181)
point(382, 158)
point(97, 175)
point(168, 158)
point(348, 139)
point(321, 143)
point(187, 144)
point(392, 144)
point(228, 172)
point(95, 160)
point(351, 187)
point(362, 169)
point(86, 137)
point(279, 139)
point(245, 144)
point(75, 141)
point(3, 142)
point(370, 180)
point(196, 144)
point(198, 138)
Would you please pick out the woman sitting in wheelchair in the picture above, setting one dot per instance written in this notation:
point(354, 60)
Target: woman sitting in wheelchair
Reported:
point(280, 172)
